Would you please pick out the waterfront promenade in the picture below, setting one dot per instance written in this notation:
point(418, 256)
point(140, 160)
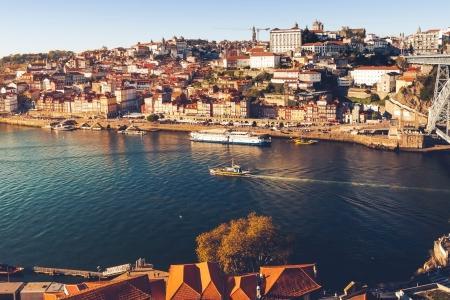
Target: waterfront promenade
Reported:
point(337, 133)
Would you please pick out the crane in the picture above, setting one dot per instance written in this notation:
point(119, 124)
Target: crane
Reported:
point(255, 31)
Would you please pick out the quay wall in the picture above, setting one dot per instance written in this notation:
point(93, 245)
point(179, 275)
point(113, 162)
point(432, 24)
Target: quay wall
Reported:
point(412, 143)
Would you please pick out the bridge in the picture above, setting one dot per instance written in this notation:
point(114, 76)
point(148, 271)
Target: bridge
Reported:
point(439, 111)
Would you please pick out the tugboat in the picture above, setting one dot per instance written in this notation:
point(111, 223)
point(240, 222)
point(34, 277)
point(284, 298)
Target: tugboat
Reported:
point(9, 270)
point(233, 170)
point(300, 141)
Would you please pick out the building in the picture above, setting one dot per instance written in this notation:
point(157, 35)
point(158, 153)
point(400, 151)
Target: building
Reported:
point(206, 281)
point(289, 282)
point(370, 75)
point(36, 290)
point(236, 62)
point(428, 42)
point(387, 83)
point(403, 82)
point(317, 26)
point(264, 60)
point(195, 281)
point(285, 40)
point(134, 287)
point(345, 81)
point(325, 48)
point(10, 290)
point(8, 102)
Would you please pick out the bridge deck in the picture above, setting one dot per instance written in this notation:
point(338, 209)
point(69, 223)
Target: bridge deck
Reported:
point(438, 59)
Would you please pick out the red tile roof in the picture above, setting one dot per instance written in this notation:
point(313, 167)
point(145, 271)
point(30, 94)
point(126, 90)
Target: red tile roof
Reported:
point(262, 54)
point(242, 287)
point(288, 281)
point(192, 281)
point(134, 288)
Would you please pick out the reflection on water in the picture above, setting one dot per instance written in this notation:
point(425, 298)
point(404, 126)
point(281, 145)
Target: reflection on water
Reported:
point(82, 199)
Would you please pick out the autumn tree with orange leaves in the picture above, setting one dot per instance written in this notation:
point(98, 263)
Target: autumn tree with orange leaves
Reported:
point(243, 245)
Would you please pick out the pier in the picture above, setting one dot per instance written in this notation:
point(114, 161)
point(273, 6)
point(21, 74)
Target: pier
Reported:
point(67, 272)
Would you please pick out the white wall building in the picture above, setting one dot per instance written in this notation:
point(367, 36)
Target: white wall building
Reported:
point(8, 102)
point(370, 75)
point(284, 40)
point(264, 60)
point(430, 41)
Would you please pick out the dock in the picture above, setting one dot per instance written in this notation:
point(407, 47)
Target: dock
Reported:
point(67, 272)
point(106, 273)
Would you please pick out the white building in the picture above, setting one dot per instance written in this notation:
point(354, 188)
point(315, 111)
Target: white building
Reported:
point(8, 102)
point(284, 40)
point(430, 41)
point(325, 48)
point(345, 81)
point(370, 75)
point(264, 60)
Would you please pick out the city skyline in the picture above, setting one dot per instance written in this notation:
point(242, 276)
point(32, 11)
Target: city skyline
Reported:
point(89, 25)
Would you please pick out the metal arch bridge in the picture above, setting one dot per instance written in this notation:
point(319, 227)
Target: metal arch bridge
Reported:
point(439, 111)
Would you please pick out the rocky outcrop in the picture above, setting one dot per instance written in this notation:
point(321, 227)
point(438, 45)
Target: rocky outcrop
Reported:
point(439, 256)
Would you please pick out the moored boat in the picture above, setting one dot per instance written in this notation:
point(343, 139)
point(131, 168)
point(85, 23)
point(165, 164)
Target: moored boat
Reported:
point(133, 130)
point(97, 126)
point(65, 125)
point(10, 270)
point(85, 126)
point(225, 136)
point(300, 141)
point(233, 170)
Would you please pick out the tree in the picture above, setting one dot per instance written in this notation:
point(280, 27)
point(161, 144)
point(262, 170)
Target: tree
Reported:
point(243, 245)
point(153, 118)
point(374, 98)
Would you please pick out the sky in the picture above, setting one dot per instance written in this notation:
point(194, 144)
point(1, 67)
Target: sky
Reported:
point(29, 26)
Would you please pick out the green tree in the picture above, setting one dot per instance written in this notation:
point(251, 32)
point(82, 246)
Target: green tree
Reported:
point(374, 98)
point(152, 118)
point(243, 245)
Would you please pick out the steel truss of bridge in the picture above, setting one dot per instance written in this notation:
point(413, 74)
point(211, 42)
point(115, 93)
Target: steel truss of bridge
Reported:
point(439, 111)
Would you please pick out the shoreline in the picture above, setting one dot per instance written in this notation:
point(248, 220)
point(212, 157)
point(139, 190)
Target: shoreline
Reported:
point(377, 142)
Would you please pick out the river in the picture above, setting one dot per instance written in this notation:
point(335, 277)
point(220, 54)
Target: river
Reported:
point(82, 199)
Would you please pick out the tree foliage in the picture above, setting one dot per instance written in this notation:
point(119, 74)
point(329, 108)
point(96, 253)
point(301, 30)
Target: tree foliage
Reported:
point(152, 118)
point(243, 245)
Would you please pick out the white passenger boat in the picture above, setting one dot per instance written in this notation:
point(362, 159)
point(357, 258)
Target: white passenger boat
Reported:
point(66, 125)
point(225, 136)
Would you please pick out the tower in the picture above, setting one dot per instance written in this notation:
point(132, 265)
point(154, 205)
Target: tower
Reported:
point(254, 35)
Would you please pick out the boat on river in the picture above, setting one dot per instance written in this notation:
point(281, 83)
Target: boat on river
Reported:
point(225, 136)
point(233, 170)
point(300, 141)
point(132, 130)
point(10, 270)
point(66, 125)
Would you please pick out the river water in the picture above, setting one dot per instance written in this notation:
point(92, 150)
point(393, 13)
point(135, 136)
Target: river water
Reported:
point(83, 199)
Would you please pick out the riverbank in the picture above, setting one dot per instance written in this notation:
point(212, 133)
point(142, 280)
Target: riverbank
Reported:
point(379, 142)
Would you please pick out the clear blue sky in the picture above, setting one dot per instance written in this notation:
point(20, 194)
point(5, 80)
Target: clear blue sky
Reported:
point(42, 25)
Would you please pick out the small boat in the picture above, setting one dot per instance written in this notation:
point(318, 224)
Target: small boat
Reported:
point(305, 142)
point(97, 126)
point(233, 170)
point(132, 130)
point(10, 270)
point(85, 126)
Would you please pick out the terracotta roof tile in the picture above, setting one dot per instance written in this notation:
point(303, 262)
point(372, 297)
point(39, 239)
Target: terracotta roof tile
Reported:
point(288, 281)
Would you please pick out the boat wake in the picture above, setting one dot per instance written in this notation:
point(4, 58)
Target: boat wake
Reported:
point(350, 183)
